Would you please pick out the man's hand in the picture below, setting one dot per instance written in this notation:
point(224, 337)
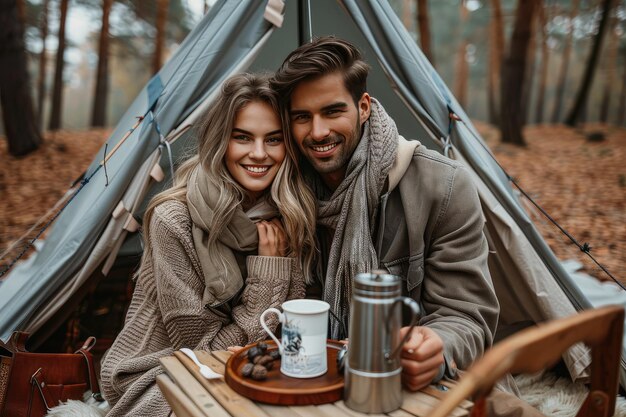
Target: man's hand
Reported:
point(422, 356)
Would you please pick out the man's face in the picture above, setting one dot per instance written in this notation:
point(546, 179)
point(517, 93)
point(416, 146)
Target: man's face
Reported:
point(326, 124)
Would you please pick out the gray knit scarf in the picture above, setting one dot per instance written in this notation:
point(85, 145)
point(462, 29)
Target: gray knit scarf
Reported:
point(222, 276)
point(351, 211)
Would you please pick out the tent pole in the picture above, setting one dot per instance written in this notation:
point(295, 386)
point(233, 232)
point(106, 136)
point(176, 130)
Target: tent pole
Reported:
point(305, 29)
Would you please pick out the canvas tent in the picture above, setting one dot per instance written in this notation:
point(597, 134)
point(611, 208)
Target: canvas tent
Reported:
point(102, 220)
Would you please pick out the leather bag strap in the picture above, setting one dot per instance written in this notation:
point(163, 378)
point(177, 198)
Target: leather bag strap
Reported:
point(93, 380)
point(16, 343)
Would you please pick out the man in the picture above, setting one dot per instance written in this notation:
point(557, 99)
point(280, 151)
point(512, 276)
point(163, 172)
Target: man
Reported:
point(385, 202)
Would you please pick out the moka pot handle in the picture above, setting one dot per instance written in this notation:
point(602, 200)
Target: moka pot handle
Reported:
point(415, 309)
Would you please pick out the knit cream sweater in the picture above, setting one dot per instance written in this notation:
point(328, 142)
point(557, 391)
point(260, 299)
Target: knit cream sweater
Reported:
point(166, 313)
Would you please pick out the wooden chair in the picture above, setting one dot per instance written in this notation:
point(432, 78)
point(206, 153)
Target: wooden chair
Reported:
point(537, 348)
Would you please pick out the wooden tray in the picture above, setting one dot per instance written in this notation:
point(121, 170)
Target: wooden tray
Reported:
point(284, 390)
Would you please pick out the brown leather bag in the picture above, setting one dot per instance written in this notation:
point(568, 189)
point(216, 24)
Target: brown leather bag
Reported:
point(32, 383)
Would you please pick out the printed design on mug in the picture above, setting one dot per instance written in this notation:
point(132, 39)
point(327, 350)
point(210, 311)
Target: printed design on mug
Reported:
point(292, 339)
point(295, 359)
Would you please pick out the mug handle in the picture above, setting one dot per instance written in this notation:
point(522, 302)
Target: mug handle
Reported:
point(415, 308)
point(281, 319)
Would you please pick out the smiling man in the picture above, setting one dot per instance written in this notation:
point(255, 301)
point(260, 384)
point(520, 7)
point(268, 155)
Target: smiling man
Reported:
point(326, 123)
point(385, 202)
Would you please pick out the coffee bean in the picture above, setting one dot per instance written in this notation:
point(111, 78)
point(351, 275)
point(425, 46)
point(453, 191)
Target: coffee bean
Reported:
point(259, 372)
point(275, 354)
point(253, 353)
point(247, 369)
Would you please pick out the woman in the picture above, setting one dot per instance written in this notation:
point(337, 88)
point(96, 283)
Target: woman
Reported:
point(216, 249)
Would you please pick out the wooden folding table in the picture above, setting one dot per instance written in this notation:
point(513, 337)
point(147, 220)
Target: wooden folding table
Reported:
point(191, 395)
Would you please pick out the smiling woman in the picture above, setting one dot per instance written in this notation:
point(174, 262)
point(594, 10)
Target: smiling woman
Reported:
point(233, 237)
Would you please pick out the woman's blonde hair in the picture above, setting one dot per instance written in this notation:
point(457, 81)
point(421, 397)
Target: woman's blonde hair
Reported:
point(289, 193)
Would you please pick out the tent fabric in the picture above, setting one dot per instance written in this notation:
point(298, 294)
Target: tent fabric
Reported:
point(234, 36)
point(111, 238)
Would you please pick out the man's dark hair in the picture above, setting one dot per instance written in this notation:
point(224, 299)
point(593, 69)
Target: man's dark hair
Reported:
point(322, 56)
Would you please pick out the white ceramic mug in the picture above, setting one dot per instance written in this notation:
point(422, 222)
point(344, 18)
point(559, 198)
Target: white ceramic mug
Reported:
point(303, 347)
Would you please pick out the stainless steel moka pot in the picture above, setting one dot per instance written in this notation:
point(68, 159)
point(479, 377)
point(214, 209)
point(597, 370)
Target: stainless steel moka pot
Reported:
point(373, 368)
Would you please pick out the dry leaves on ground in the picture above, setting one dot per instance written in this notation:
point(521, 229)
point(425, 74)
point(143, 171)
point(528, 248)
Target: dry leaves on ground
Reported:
point(581, 184)
point(32, 185)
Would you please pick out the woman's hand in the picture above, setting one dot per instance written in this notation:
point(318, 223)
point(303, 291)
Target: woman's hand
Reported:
point(234, 349)
point(272, 238)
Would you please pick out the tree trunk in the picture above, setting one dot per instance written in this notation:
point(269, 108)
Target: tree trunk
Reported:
point(57, 92)
point(513, 74)
point(17, 106)
point(423, 25)
point(41, 82)
point(462, 69)
point(567, 52)
point(496, 54)
point(621, 110)
point(21, 12)
point(583, 92)
point(21, 15)
point(159, 43)
point(609, 70)
point(98, 118)
point(531, 59)
point(545, 60)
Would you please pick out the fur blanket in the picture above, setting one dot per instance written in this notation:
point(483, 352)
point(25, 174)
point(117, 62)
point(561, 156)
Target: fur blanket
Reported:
point(86, 408)
point(558, 396)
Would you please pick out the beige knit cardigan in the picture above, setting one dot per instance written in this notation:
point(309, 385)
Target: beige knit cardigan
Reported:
point(166, 313)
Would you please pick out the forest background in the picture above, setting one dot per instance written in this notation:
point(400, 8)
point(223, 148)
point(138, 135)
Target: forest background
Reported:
point(464, 39)
point(544, 81)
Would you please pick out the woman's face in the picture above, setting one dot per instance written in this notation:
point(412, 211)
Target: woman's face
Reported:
point(256, 148)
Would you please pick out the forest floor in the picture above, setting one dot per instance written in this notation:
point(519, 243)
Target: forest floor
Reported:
point(581, 184)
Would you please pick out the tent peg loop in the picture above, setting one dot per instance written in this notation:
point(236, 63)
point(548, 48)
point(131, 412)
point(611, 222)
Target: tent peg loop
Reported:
point(168, 146)
point(454, 117)
point(163, 142)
